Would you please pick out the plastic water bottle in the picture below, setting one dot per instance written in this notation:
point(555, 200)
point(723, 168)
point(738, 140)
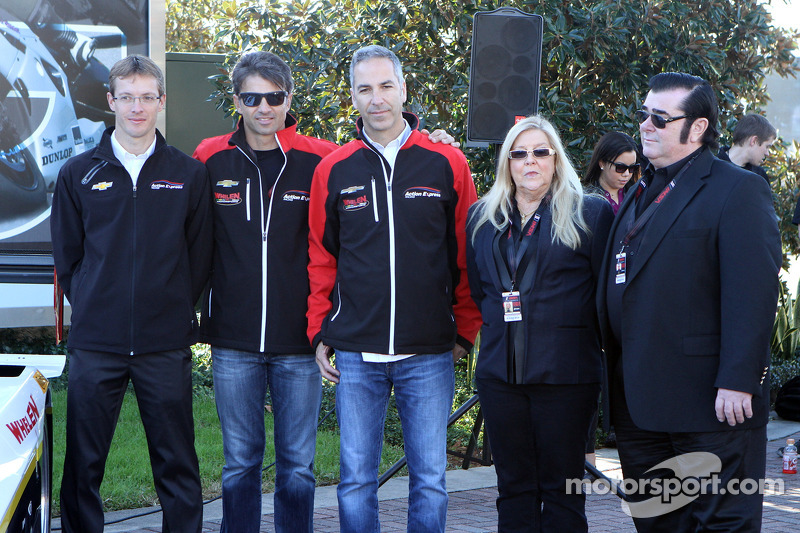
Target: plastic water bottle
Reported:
point(790, 457)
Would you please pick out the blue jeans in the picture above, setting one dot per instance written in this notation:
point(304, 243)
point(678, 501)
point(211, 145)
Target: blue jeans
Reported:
point(240, 383)
point(423, 389)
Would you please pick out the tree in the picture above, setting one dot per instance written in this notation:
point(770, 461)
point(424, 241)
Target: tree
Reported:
point(597, 58)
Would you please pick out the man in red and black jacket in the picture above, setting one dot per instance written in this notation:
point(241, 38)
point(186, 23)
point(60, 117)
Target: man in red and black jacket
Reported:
point(389, 291)
point(254, 312)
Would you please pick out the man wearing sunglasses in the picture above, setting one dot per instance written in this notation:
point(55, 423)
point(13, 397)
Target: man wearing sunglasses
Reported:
point(389, 291)
point(686, 303)
point(254, 314)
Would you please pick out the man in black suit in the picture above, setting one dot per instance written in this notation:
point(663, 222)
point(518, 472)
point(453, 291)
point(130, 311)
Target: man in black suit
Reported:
point(686, 303)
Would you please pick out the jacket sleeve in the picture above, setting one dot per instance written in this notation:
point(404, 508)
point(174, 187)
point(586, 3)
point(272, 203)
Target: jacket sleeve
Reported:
point(750, 260)
point(467, 315)
point(323, 247)
point(66, 228)
point(199, 235)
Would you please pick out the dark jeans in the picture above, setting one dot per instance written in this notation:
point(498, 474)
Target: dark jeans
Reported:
point(163, 385)
point(538, 435)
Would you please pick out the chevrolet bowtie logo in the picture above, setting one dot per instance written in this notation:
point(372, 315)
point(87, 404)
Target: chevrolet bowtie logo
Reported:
point(227, 183)
point(103, 185)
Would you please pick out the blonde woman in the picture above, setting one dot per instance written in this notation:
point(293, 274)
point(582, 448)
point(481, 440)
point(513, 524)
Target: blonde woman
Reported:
point(533, 257)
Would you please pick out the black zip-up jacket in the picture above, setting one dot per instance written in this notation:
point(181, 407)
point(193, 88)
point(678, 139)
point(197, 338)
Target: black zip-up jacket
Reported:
point(387, 249)
point(259, 284)
point(132, 262)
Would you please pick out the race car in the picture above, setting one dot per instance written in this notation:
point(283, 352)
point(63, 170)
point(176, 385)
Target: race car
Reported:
point(26, 444)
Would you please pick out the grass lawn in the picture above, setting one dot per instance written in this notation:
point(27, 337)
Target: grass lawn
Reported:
point(128, 481)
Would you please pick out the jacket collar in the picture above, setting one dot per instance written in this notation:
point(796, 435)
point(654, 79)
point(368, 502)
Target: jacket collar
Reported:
point(105, 150)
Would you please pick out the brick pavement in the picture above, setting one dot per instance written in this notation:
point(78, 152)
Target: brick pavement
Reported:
point(473, 511)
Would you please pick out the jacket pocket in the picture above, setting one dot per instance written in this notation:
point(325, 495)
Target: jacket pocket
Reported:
point(701, 345)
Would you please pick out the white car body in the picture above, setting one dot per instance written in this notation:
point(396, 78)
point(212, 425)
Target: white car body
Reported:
point(25, 444)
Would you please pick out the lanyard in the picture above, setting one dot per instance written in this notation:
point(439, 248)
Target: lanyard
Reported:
point(513, 253)
point(653, 207)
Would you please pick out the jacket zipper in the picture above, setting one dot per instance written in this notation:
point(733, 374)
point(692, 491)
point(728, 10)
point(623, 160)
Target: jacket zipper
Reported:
point(133, 268)
point(264, 232)
point(210, 293)
point(374, 200)
point(392, 260)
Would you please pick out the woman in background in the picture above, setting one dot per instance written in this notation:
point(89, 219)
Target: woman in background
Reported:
point(614, 167)
point(535, 245)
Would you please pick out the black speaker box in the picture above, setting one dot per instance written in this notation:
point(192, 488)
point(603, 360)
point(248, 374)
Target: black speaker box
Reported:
point(504, 73)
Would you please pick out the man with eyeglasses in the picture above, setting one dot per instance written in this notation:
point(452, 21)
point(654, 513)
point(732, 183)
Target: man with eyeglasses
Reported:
point(254, 311)
point(389, 292)
point(131, 226)
point(686, 303)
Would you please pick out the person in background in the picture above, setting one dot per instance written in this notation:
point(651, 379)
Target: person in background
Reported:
point(753, 136)
point(614, 167)
point(132, 230)
point(535, 248)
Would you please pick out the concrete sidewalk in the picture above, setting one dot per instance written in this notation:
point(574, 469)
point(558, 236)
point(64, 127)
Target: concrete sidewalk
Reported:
point(472, 500)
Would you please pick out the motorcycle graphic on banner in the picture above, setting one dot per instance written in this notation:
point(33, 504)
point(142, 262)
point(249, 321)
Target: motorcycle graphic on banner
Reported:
point(54, 61)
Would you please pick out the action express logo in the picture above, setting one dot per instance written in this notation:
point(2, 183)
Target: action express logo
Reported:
point(423, 192)
point(291, 196)
point(164, 184)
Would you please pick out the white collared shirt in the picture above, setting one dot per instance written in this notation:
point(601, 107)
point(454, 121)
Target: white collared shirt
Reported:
point(132, 163)
point(389, 152)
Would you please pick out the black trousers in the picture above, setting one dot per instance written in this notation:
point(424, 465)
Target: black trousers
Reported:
point(96, 387)
point(538, 436)
point(741, 455)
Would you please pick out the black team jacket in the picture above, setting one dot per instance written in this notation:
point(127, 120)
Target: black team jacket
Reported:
point(132, 261)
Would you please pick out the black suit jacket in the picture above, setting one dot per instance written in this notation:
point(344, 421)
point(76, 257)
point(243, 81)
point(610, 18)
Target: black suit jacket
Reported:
point(562, 343)
point(699, 301)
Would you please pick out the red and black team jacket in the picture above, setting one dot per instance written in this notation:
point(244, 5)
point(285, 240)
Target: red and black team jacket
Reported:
point(258, 291)
point(387, 249)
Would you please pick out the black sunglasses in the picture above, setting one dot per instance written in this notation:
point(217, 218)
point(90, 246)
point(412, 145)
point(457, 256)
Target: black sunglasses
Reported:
point(538, 153)
point(657, 120)
point(620, 168)
point(254, 99)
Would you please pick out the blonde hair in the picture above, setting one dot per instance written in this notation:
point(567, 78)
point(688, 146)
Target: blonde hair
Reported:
point(567, 194)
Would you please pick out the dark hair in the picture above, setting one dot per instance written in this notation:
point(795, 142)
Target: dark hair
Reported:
point(135, 65)
point(750, 125)
point(264, 64)
point(608, 148)
point(701, 102)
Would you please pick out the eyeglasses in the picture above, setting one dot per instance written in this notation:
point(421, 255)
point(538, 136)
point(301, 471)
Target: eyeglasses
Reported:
point(254, 99)
point(620, 168)
point(538, 153)
point(657, 120)
point(147, 100)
